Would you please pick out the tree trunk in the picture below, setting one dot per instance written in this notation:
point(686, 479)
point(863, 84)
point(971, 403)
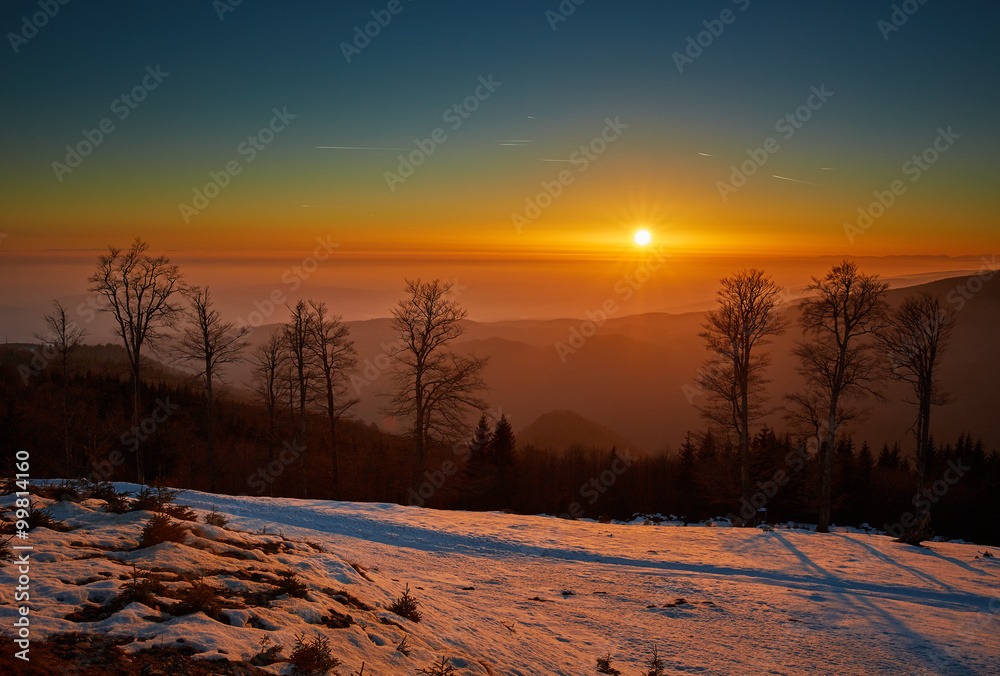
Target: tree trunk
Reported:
point(302, 430)
point(135, 421)
point(923, 439)
point(418, 436)
point(270, 450)
point(745, 445)
point(334, 468)
point(826, 485)
point(210, 432)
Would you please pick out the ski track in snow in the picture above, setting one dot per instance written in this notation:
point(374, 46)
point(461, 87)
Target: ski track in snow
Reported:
point(782, 602)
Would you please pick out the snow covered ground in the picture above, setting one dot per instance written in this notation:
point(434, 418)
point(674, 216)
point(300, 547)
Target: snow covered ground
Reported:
point(514, 595)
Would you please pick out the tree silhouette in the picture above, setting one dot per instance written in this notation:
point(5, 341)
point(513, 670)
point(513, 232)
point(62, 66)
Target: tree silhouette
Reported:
point(434, 387)
point(733, 376)
point(63, 337)
point(477, 474)
point(841, 359)
point(139, 290)
point(267, 365)
point(917, 334)
point(503, 456)
point(210, 343)
point(296, 336)
point(334, 357)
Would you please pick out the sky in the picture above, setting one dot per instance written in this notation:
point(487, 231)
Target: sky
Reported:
point(514, 133)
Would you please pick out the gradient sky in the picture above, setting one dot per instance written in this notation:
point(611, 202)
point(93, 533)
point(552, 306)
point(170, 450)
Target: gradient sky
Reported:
point(606, 60)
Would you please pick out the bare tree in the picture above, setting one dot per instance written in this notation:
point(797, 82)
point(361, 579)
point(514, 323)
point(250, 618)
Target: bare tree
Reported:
point(434, 387)
point(334, 357)
point(63, 337)
point(745, 320)
point(139, 290)
point(296, 335)
point(210, 344)
point(841, 360)
point(917, 334)
point(267, 365)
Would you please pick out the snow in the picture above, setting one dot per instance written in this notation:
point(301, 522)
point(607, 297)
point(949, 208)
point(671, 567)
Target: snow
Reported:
point(519, 595)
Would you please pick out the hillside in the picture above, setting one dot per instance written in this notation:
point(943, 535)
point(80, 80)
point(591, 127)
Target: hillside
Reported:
point(511, 595)
point(559, 430)
point(636, 376)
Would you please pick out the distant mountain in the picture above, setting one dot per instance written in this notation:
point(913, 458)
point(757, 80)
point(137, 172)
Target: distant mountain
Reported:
point(635, 375)
point(558, 430)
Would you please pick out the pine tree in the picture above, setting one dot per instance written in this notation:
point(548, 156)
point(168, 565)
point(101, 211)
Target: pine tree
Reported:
point(503, 457)
point(477, 476)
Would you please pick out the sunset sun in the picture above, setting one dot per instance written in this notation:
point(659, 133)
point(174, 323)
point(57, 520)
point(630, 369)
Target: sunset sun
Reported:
point(642, 237)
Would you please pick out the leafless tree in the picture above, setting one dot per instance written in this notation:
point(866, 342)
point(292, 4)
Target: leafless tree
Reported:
point(267, 366)
point(334, 358)
point(434, 387)
point(917, 334)
point(296, 334)
point(62, 338)
point(840, 359)
point(745, 320)
point(210, 343)
point(140, 291)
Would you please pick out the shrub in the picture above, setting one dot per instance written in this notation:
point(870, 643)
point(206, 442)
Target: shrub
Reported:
point(200, 597)
point(604, 666)
point(140, 589)
point(6, 553)
point(290, 584)
point(656, 665)
point(268, 655)
point(335, 620)
point(214, 518)
point(117, 503)
point(161, 528)
point(37, 518)
point(312, 658)
point(406, 606)
point(160, 499)
point(440, 668)
point(920, 531)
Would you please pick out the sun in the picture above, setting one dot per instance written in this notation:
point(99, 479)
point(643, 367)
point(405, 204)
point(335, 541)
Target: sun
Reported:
point(642, 237)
